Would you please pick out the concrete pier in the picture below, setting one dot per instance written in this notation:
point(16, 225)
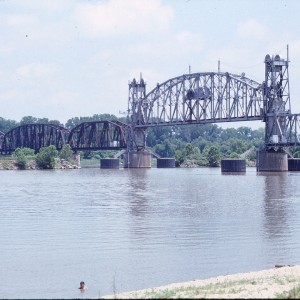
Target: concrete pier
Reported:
point(165, 162)
point(137, 159)
point(294, 164)
point(109, 163)
point(233, 165)
point(271, 161)
point(76, 158)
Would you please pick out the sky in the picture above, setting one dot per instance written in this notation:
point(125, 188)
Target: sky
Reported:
point(61, 59)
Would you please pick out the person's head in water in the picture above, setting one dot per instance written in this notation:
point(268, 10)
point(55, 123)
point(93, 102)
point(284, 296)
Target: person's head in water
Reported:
point(82, 285)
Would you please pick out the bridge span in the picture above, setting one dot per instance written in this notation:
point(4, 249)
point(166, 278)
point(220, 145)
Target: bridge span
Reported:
point(211, 97)
point(198, 98)
point(94, 135)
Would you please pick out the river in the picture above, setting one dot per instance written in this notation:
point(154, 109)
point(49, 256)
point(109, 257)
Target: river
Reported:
point(128, 229)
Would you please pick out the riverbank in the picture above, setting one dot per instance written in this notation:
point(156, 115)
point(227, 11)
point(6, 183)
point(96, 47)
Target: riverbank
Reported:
point(11, 164)
point(278, 282)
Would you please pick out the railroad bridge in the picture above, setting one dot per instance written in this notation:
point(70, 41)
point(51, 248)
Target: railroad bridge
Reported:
point(197, 98)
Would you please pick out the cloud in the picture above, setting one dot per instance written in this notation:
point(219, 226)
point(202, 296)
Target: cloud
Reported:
point(36, 70)
point(119, 17)
point(40, 6)
point(171, 46)
point(5, 49)
point(294, 49)
point(166, 56)
point(251, 29)
point(26, 30)
point(20, 20)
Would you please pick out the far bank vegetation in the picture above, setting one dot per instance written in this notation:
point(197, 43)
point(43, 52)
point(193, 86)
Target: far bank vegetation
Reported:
point(191, 145)
point(46, 158)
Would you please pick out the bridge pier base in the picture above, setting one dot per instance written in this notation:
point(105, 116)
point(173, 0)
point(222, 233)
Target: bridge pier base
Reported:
point(271, 161)
point(294, 164)
point(137, 159)
point(165, 162)
point(232, 165)
point(109, 163)
point(76, 158)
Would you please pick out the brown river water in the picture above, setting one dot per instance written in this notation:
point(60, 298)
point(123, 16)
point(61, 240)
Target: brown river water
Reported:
point(129, 229)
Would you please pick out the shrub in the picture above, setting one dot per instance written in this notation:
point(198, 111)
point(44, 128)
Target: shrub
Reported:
point(21, 156)
point(213, 157)
point(45, 159)
point(66, 152)
point(22, 162)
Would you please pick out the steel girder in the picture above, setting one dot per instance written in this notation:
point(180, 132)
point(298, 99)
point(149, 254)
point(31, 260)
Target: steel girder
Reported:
point(200, 98)
point(34, 136)
point(290, 136)
point(98, 135)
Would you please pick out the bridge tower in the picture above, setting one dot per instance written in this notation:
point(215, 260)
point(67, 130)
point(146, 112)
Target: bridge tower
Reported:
point(136, 156)
point(276, 96)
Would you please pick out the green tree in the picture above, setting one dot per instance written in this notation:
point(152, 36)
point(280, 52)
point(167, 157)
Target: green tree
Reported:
point(234, 155)
point(166, 149)
point(28, 120)
point(22, 162)
point(189, 149)
point(213, 157)
point(190, 155)
point(71, 123)
point(87, 154)
point(46, 157)
point(6, 125)
point(66, 152)
point(179, 156)
point(33, 120)
point(21, 156)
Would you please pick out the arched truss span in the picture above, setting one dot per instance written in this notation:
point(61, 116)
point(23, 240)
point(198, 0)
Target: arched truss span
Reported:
point(34, 136)
point(98, 135)
point(202, 98)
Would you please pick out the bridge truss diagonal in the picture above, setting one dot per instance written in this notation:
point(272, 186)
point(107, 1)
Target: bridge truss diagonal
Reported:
point(33, 136)
point(98, 135)
point(200, 98)
point(291, 134)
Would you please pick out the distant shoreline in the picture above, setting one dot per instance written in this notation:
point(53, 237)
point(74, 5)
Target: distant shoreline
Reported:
point(271, 283)
point(11, 164)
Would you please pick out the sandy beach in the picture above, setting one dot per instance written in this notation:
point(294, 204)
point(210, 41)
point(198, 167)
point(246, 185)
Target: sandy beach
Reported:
point(270, 283)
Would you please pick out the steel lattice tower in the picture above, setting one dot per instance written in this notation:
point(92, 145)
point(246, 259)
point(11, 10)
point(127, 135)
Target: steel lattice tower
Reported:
point(276, 96)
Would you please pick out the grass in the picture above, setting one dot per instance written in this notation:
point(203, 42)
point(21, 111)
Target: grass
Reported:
point(284, 280)
point(114, 286)
point(228, 287)
point(93, 163)
point(6, 157)
point(291, 294)
point(219, 289)
point(90, 163)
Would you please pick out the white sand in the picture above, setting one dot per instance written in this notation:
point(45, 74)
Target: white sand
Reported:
point(261, 284)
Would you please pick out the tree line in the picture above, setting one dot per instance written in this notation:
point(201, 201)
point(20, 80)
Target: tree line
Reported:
point(202, 145)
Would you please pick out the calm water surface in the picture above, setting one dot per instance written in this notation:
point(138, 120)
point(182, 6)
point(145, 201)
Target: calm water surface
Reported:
point(122, 230)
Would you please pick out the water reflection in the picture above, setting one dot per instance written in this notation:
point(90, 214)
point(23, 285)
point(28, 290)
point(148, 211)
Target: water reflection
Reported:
point(138, 184)
point(275, 204)
point(233, 173)
point(138, 205)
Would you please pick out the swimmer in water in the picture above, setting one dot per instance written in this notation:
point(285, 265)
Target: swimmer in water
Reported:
point(82, 286)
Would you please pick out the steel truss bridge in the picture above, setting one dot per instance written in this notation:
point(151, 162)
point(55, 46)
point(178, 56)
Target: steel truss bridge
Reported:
point(198, 98)
point(97, 135)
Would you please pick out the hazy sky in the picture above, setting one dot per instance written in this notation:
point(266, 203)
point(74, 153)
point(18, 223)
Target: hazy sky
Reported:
point(66, 58)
